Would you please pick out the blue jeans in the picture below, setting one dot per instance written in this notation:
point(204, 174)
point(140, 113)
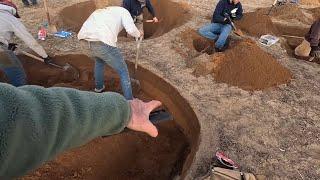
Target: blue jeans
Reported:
point(26, 2)
point(105, 54)
point(11, 66)
point(216, 31)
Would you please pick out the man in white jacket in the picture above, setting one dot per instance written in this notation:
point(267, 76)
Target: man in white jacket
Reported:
point(9, 26)
point(101, 30)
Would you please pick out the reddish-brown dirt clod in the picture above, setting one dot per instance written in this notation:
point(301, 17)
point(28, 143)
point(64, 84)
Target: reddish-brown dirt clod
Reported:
point(128, 155)
point(170, 14)
point(249, 67)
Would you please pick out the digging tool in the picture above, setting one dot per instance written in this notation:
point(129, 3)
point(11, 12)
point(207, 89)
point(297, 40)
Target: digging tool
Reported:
point(151, 21)
point(52, 28)
point(289, 36)
point(134, 79)
point(67, 67)
point(235, 30)
point(160, 116)
point(280, 3)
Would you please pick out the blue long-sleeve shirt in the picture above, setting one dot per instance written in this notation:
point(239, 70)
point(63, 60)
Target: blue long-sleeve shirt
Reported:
point(226, 6)
point(135, 8)
point(36, 123)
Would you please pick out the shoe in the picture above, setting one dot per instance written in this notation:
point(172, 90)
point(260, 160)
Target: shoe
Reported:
point(100, 90)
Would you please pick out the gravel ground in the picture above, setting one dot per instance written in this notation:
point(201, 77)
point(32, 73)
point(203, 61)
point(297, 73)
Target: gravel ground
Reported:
point(274, 132)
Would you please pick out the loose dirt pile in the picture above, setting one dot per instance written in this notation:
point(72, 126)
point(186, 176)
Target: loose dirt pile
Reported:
point(73, 17)
point(170, 14)
point(310, 2)
point(249, 67)
point(129, 154)
point(289, 12)
point(257, 24)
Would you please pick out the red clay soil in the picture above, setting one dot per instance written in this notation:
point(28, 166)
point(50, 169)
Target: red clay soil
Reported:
point(129, 155)
point(310, 2)
point(256, 24)
point(170, 14)
point(287, 12)
point(73, 17)
point(249, 67)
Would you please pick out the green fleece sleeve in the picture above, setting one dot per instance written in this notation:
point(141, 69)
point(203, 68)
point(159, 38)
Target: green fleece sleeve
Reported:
point(36, 123)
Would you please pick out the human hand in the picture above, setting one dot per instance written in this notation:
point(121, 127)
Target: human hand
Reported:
point(140, 112)
point(48, 60)
point(155, 19)
point(12, 46)
point(141, 33)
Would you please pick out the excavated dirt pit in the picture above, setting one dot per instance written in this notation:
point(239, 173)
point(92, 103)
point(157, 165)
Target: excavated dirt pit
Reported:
point(290, 20)
point(244, 64)
point(128, 155)
point(170, 15)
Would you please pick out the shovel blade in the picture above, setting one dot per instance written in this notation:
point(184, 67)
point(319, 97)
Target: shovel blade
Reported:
point(238, 32)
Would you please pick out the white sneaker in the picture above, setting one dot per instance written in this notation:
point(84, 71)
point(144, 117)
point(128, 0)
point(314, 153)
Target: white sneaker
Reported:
point(99, 90)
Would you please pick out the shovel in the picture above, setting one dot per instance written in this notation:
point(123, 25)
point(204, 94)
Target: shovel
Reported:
point(67, 67)
point(134, 79)
point(235, 30)
point(52, 28)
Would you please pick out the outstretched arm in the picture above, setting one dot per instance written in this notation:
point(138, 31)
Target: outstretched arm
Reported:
point(150, 8)
point(36, 123)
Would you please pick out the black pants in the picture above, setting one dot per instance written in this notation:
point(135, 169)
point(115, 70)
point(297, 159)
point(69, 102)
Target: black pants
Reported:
point(26, 2)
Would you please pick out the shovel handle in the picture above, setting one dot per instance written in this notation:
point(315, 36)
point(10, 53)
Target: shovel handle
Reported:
point(32, 56)
point(47, 11)
point(40, 59)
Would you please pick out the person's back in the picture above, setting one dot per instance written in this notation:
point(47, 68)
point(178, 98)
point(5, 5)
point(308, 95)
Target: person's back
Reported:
point(6, 19)
point(100, 32)
point(105, 25)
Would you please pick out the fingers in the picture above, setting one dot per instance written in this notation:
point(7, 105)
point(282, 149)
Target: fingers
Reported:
point(150, 106)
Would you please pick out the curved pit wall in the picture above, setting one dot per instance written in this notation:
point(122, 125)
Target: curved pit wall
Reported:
point(171, 15)
point(127, 155)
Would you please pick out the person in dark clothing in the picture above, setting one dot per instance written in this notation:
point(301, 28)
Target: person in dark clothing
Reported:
point(313, 37)
point(27, 3)
point(220, 28)
point(135, 7)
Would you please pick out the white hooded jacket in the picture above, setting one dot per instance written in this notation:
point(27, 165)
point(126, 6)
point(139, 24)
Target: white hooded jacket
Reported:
point(10, 26)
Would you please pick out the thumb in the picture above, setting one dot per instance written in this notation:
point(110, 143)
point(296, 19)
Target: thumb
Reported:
point(150, 129)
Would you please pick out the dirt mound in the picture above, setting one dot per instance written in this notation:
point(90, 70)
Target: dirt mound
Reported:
point(249, 67)
point(289, 12)
point(316, 12)
point(130, 154)
point(73, 17)
point(310, 2)
point(171, 15)
point(257, 24)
